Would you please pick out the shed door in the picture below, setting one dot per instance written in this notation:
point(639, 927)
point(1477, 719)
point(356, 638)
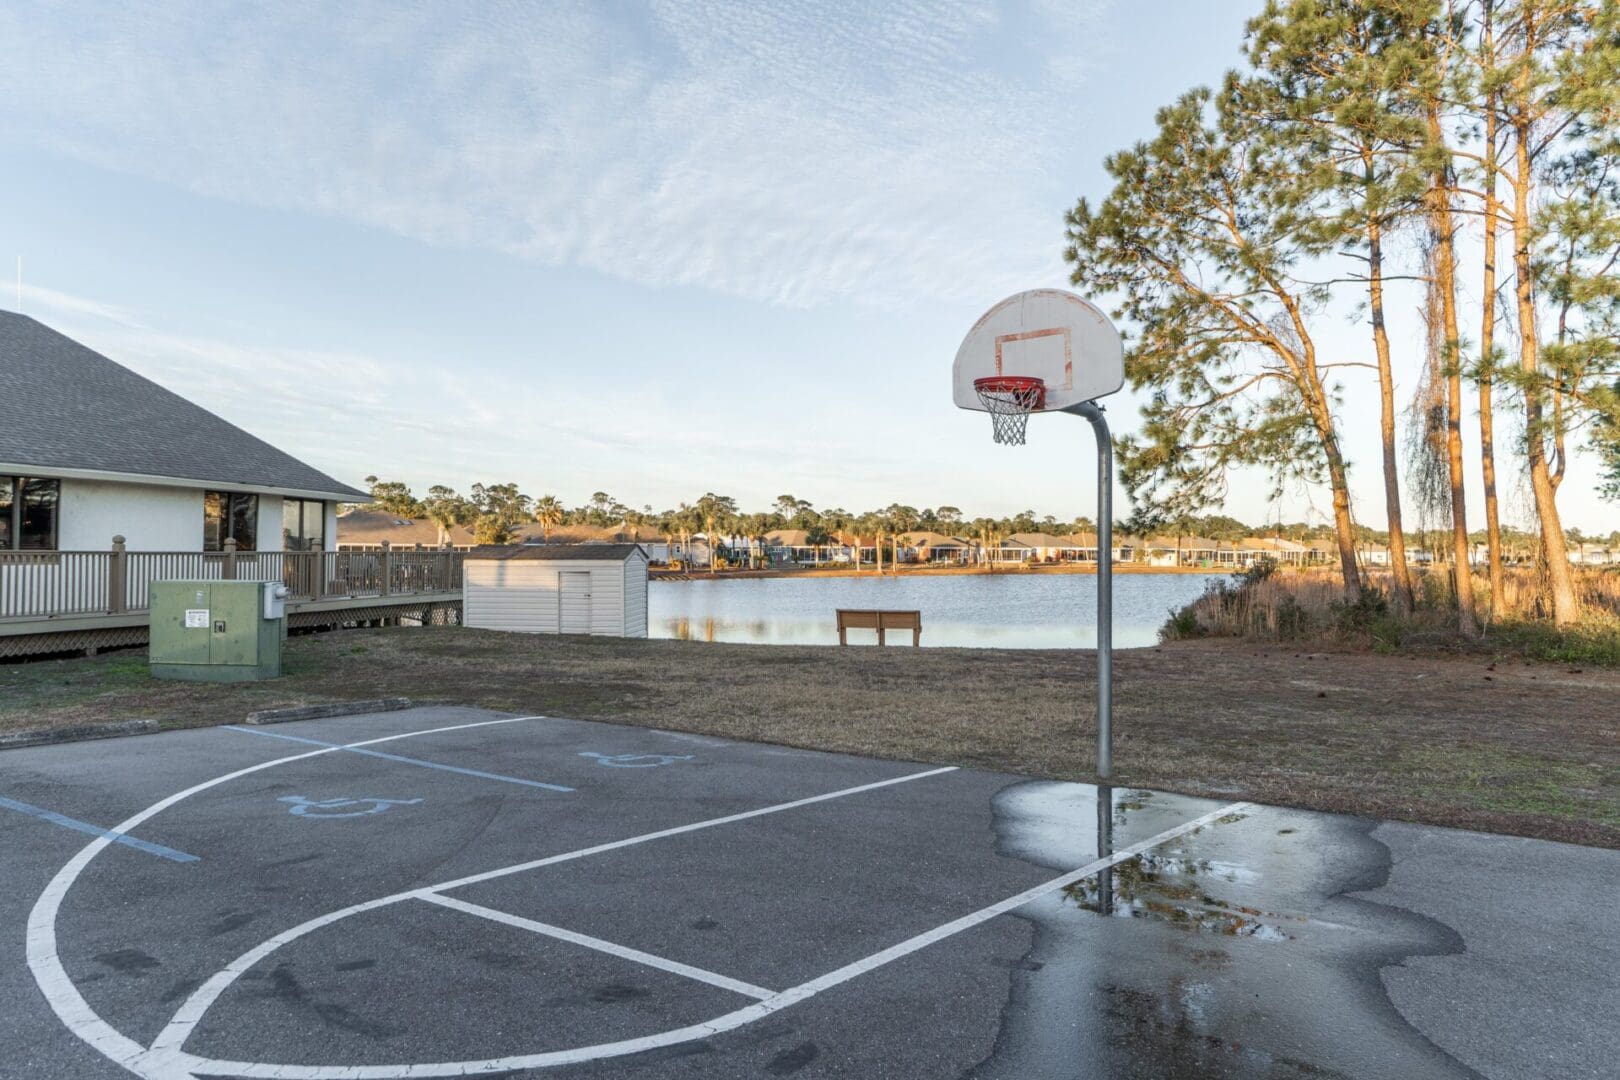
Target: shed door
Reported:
point(574, 600)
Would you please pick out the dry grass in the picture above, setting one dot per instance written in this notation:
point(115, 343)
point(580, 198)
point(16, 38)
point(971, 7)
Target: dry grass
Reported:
point(1310, 609)
point(1523, 748)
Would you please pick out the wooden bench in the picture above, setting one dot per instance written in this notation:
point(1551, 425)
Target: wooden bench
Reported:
point(881, 621)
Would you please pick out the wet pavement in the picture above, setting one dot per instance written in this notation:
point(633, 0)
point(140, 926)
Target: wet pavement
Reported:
point(474, 895)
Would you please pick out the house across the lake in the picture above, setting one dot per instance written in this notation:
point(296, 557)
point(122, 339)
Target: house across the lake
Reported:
point(109, 481)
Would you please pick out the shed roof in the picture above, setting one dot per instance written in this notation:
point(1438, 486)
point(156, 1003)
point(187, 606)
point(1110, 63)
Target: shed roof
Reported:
point(555, 552)
point(65, 408)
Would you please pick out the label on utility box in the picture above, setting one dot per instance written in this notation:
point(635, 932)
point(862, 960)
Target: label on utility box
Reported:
point(196, 618)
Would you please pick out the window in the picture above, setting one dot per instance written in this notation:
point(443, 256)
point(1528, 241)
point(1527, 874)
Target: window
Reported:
point(28, 513)
point(303, 525)
point(230, 516)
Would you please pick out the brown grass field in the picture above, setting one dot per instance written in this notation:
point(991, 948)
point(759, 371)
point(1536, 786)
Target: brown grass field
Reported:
point(1501, 745)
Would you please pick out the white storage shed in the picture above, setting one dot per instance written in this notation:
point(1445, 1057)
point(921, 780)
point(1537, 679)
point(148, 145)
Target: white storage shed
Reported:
point(557, 589)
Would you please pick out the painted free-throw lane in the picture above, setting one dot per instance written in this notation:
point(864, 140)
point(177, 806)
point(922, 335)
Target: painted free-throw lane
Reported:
point(189, 1064)
point(168, 1044)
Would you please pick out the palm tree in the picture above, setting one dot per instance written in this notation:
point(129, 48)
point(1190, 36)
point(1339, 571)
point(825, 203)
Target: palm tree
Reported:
point(717, 512)
point(756, 526)
point(447, 510)
point(988, 532)
point(683, 523)
point(548, 511)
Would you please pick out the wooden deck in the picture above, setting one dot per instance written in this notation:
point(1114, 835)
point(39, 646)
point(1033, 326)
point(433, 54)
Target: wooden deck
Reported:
point(88, 633)
point(61, 601)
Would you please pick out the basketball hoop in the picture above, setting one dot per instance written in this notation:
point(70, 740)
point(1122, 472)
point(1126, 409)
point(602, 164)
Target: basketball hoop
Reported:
point(1069, 355)
point(1009, 399)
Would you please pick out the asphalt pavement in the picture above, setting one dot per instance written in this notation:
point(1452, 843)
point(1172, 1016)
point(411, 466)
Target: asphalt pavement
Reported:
point(470, 893)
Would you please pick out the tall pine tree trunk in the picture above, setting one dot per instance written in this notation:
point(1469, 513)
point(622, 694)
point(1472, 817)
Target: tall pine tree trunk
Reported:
point(1445, 269)
point(1316, 404)
point(1560, 582)
point(1386, 391)
point(1487, 334)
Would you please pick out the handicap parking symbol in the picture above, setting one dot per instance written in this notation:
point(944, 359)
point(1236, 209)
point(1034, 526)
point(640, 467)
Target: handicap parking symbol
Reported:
point(335, 808)
point(635, 761)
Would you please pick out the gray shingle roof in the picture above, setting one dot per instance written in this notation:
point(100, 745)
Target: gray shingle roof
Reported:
point(553, 552)
point(65, 406)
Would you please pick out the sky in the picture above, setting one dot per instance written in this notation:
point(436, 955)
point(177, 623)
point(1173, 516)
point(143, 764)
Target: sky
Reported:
point(650, 249)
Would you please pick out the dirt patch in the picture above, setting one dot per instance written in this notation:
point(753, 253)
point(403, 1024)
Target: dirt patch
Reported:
point(1525, 748)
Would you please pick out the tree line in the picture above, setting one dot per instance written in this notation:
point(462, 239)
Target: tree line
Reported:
point(1469, 146)
point(493, 513)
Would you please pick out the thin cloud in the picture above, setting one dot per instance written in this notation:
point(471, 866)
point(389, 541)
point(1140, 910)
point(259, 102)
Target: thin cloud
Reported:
point(796, 154)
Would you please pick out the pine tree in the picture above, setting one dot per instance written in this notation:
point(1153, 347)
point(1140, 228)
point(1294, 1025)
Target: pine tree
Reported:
point(1329, 70)
point(1200, 238)
point(1555, 79)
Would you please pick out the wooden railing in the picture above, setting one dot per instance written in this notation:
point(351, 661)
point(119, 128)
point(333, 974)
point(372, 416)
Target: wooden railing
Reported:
point(46, 584)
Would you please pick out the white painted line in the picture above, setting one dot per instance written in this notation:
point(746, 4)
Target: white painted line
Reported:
point(624, 952)
point(46, 965)
point(582, 853)
point(985, 914)
point(708, 1028)
point(174, 1034)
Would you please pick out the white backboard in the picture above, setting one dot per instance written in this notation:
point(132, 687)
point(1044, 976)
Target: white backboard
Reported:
point(1046, 334)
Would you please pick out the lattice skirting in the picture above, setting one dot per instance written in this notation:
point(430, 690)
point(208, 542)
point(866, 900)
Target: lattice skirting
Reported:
point(431, 613)
point(117, 637)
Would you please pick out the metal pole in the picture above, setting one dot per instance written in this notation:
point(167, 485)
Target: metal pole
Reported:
point(1105, 586)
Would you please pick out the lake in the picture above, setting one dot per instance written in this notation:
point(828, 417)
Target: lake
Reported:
point(1004, 611)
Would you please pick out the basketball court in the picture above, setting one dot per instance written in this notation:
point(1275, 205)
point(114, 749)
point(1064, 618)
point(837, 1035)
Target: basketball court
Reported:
point(448, 892)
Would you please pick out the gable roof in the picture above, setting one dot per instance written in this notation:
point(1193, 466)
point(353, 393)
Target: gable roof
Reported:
point(375, 526)
point(1039, 540)
point(931, 539)
point(66, 409)
point(531, 533)
point(789, 537)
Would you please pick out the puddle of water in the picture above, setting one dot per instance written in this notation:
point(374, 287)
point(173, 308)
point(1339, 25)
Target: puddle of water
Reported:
point(1234, 951)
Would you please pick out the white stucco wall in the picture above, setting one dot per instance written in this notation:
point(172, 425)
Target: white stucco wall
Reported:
point(269, 538)
point(149, 518)
point(152, 518)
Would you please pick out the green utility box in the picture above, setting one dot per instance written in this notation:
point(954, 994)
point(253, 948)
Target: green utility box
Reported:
point(217, 631)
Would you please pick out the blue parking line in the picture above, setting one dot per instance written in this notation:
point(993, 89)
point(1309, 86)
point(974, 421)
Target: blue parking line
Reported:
point(95, 830)
point(397, 757)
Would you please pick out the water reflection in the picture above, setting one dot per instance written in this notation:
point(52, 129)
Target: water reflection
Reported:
point(1171, 888)
point(985, 611)
point(1183, 975)
point(1105, 848)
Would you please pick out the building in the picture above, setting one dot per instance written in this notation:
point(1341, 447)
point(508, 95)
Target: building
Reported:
point(89, 450)
point(933, 547)
point(109, 481)
point(598, 589)
point(369, 530)
point(1590, 554)
point(1283, 552)
point(1040, 547)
